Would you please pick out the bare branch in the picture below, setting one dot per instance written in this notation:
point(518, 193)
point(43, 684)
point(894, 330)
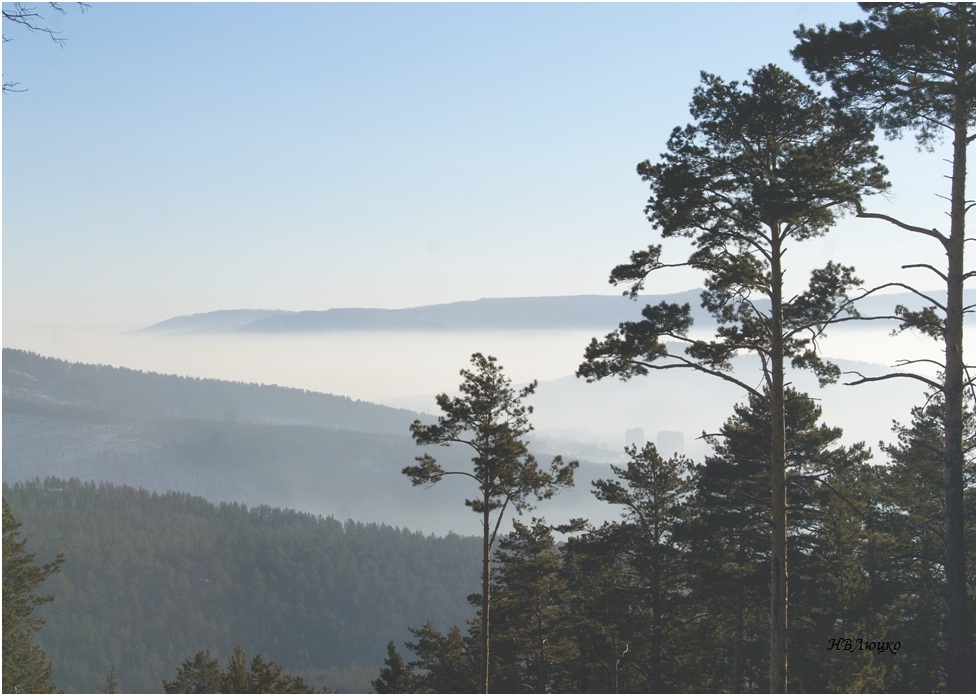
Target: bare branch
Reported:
point(29, 18)
point(906, 287)
point(902, 225)
point(687, 364)
point(905, 362)
point(893, 375)
point(927, 266)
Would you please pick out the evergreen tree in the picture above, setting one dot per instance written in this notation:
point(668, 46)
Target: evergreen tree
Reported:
point(394, 676)
point(848, 596)
point(25, 666)
point(629, 581)
point(652, 492)
point(492, 420)
point(111, 682)
point(728, 538)
point(235, 679)
point(911, 67)
point(269, 678)
point(531, 640)
point(444, 664)
point(767, 163)
point(202, 675)
point(908, 503)
point(603, 587)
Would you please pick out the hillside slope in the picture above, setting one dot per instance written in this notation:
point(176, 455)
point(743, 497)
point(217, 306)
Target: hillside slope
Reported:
point(149, 580)
point(227, 442)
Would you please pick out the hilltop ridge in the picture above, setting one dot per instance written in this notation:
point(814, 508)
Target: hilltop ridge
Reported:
point(597, 312)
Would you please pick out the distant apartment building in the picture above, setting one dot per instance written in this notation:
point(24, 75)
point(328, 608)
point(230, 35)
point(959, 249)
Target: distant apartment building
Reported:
point(636, 437)
point(670, 442)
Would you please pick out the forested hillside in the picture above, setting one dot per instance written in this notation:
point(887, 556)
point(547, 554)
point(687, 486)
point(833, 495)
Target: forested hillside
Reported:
point(151, 579)
point(227, 442)
point(101, 393)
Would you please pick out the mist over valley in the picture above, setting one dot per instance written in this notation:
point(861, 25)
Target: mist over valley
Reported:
point(333, 437)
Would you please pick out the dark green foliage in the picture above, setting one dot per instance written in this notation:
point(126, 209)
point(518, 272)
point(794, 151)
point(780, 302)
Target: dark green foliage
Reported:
point(767, 162)
point(394, 676)
point(651, 493)
point(202, 675)
point(533, 614)
point(490, 418)
point(911, 67)
point(674, 596)
point(151, 578)
point(729, 539)
point(908, 503)
point(444, 664)
point(25, 666)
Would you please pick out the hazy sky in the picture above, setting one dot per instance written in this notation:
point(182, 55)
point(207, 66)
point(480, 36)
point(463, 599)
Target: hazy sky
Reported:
point(182, 158)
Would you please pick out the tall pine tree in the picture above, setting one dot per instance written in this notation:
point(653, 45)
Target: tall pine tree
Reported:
point(491, 419)
point(767, 164)
point(911, 68)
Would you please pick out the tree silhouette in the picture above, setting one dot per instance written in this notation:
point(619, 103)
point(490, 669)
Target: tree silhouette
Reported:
point(766, 164)
point(911, 67)
point(491, 419)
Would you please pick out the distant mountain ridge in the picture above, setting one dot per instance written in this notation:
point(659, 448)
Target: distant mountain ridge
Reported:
point(510, 313)
point(598, 312)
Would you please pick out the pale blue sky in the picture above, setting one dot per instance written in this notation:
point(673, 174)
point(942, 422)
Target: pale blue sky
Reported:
point(182, 158)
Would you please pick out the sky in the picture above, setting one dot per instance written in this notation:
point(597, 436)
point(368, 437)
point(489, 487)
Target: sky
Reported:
point(178, 158)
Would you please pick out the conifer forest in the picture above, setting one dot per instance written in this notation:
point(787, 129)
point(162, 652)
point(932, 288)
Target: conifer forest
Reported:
point(787, 559)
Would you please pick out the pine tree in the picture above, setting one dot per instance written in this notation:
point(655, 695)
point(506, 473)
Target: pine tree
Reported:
point(491, 419)
point(444, 664)
point(25, 666)
point(601, 583)
point(111, 682)
point(728, 538)
point(767, 164)
point(394, 677)
point(235, 679)
point(911, 67)
point(628, 579)
point(202, 675)
point(908, 502)
point(532, 644)
point(652, 493)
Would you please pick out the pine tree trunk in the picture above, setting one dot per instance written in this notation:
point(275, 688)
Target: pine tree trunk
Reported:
point(960, 618)
point(738, 669)
point(541, 656)
point(656, 666)
point(485, 597)
point(779, 508)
